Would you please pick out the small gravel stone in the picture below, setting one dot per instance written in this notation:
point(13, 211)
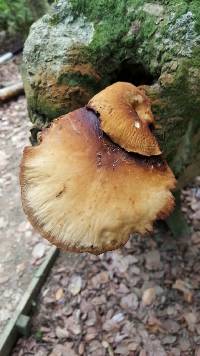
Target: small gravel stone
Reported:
point(196, 238)
point(135, 270)
point(91, 334)
point(197, 352)
point(191, 320)
point(3, 222)
point(171, 326)
point(169, 339)
point(81, 348)
point(175, 352)
point(61, 333)
point(4, 279)
point(143, 353)
point(100, 278)
point(129, 301)
point(184, 344)
point(149, 296)
point(63, 350)
point(75, 285)
point(153, 260)
point(118, 317)
point(39, 250)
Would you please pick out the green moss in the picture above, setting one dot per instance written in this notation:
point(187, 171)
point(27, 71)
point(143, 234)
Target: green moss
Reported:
point(78, 79)
point(45, 112)
point(195, 60)
point(195, 8)
point(187, 97)
point(114, 40)
point(110, 40)
point(178, 7)
point(100, 9)
point(180, 116)
point(18, 15)
point(15, 16)
point(38, 335)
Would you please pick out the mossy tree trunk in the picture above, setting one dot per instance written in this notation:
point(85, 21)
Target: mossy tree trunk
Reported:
point(82, 46)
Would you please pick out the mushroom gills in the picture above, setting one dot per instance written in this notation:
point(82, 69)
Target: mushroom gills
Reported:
point(84, 193)
point(125, 116)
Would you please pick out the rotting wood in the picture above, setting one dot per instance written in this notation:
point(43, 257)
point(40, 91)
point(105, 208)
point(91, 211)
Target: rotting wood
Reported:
point(6, 57)
point(11, 91)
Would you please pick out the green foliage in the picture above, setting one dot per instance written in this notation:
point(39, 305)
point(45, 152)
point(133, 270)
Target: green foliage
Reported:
point(18, 15)
point(15, 16)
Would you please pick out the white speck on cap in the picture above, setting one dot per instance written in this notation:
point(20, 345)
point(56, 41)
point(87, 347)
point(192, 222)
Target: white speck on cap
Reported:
point(137, 124)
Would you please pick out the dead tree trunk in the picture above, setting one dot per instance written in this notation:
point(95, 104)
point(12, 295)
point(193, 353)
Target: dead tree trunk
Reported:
point(82, 46)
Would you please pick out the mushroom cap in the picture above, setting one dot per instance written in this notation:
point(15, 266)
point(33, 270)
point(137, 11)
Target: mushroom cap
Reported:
point(84, 193)
point(125, 115)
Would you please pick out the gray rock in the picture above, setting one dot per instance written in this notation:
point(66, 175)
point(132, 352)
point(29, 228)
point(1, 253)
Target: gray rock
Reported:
point(149, 296)
point(39, 250)
point(152, 260)
point(129, 301)
point(75, 285)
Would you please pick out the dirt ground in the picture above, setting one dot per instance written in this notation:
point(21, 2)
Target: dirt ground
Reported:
point(21, 250)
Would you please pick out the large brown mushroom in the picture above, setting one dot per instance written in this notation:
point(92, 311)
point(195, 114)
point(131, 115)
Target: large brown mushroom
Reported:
point(82, 191)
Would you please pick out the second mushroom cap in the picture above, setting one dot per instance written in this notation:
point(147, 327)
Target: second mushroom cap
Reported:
point(125, 116)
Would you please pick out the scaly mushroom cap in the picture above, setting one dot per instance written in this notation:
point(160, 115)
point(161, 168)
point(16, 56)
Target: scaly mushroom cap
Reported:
point(126, 117)
point(84, 193)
